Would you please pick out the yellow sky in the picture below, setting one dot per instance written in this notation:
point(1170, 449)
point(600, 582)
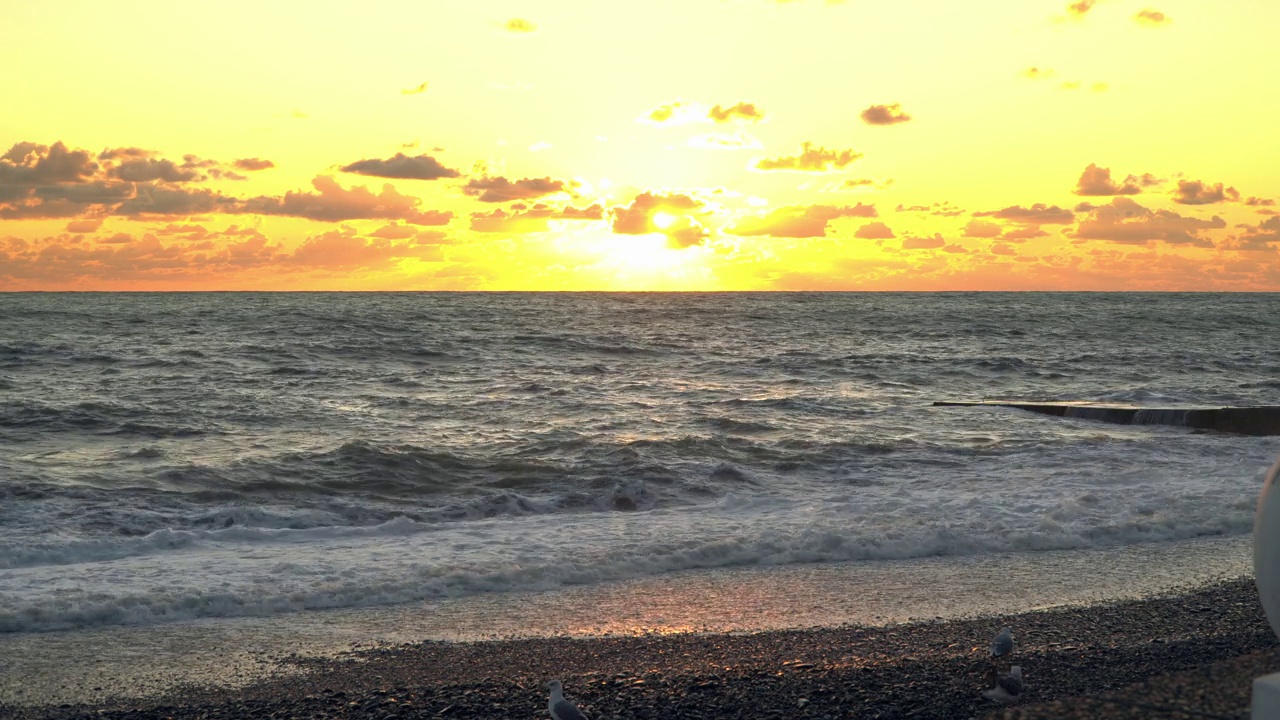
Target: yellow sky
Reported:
point(665, 145)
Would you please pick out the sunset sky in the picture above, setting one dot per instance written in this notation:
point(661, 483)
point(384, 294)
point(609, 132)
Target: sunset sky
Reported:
point(665, 145)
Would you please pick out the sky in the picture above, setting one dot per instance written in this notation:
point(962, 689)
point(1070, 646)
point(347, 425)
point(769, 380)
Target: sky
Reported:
point(691, 145)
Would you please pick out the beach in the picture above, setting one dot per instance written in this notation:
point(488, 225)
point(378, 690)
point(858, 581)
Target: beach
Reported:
point(1081, 661)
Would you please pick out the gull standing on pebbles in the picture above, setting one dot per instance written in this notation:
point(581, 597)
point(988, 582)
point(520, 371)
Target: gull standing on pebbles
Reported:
point(560, 708)
point(1008, 687)
point(1002, 644)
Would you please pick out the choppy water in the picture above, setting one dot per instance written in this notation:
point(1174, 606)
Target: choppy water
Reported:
point(201, 455)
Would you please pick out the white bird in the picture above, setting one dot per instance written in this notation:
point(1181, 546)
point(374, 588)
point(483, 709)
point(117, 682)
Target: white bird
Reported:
point(1008, 687)
point(1002, 644)
point(560, 708)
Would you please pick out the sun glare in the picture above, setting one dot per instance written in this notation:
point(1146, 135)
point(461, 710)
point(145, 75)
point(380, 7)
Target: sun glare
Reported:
point(662, 220)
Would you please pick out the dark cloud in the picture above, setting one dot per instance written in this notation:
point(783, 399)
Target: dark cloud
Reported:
point(1194, 192)
point(162, 200)
point(27, 165)
point(500, 189)
point(799, 221)
point(332, 203)
point(402, 167)
point(1152, 18)
point(874, 231)
point(740, 111)
point(151, 169)
point(254, 164)
point(1096, 181)
point(126, 153)
point(811, 159)
point(1038, 214)
point(1257, 201)
point(644, 214)
point(1125, 221)
point(525, 220)
point(885, 115)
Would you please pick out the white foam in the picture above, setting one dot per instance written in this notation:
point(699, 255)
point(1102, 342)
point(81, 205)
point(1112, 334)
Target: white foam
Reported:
point(241, 571)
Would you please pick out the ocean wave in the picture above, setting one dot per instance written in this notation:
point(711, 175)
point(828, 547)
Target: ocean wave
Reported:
point(285, 585)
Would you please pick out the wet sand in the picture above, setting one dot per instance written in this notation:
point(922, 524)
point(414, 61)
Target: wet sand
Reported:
point(1127, 652)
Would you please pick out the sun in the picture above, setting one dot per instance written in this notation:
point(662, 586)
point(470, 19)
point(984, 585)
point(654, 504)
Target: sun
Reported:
point(662, 220)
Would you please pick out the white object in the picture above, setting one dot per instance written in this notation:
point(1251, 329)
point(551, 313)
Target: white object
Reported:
point(1266, 576)
point(560, 708)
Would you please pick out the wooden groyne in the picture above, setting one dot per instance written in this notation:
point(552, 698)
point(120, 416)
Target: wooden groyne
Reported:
point(1248, 420)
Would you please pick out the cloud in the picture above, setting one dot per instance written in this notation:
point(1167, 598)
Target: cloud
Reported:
point(414, 90)
point(670, 215)
point(1038, 214)
point(150, 169)
point(684, 113)
point(811, 159)
point(254, 164)
point(1038, 73)
point(799, 221)
point(1151, 18)
point(530, 220)
point(942, 209)
point(884, 115)
point(1081, 8)
point(1125, 221)
point(344, 248)
point(726, 141)
point(500, 189)
point(332, 203)
point(874, 231)
point(519, 25)
point(1096, 181)
point(741, 111)
point(163, 200)
point(27, 165)
point(1194, 192)
point(982, 229)
point(1257, 201)
point(923, 243)
point(1265, 236)
point(84, 226)
point(402, 167)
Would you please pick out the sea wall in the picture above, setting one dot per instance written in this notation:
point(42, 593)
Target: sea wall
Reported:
point(1250, 420)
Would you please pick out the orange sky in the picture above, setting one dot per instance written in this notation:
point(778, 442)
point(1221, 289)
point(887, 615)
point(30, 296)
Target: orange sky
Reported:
point(669, 145)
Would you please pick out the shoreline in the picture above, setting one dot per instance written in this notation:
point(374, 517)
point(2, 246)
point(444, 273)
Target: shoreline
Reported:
point(933, 669)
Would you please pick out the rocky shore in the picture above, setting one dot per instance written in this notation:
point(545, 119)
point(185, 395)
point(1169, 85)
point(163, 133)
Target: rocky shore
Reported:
point(1195, 650)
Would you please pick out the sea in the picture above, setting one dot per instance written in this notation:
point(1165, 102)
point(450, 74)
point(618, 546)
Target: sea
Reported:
point(726, 460)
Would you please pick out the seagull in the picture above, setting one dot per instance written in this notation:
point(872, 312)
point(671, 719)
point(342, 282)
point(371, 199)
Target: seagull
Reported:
point(1002, 644)
point(560, 708)
point(1008, 687)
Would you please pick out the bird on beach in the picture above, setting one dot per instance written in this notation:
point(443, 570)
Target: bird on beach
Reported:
point(1002, 644)
point(1008, 687)
point(560, 708)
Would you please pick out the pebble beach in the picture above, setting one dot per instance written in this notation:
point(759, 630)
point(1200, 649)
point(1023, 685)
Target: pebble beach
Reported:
point(1194, 651)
